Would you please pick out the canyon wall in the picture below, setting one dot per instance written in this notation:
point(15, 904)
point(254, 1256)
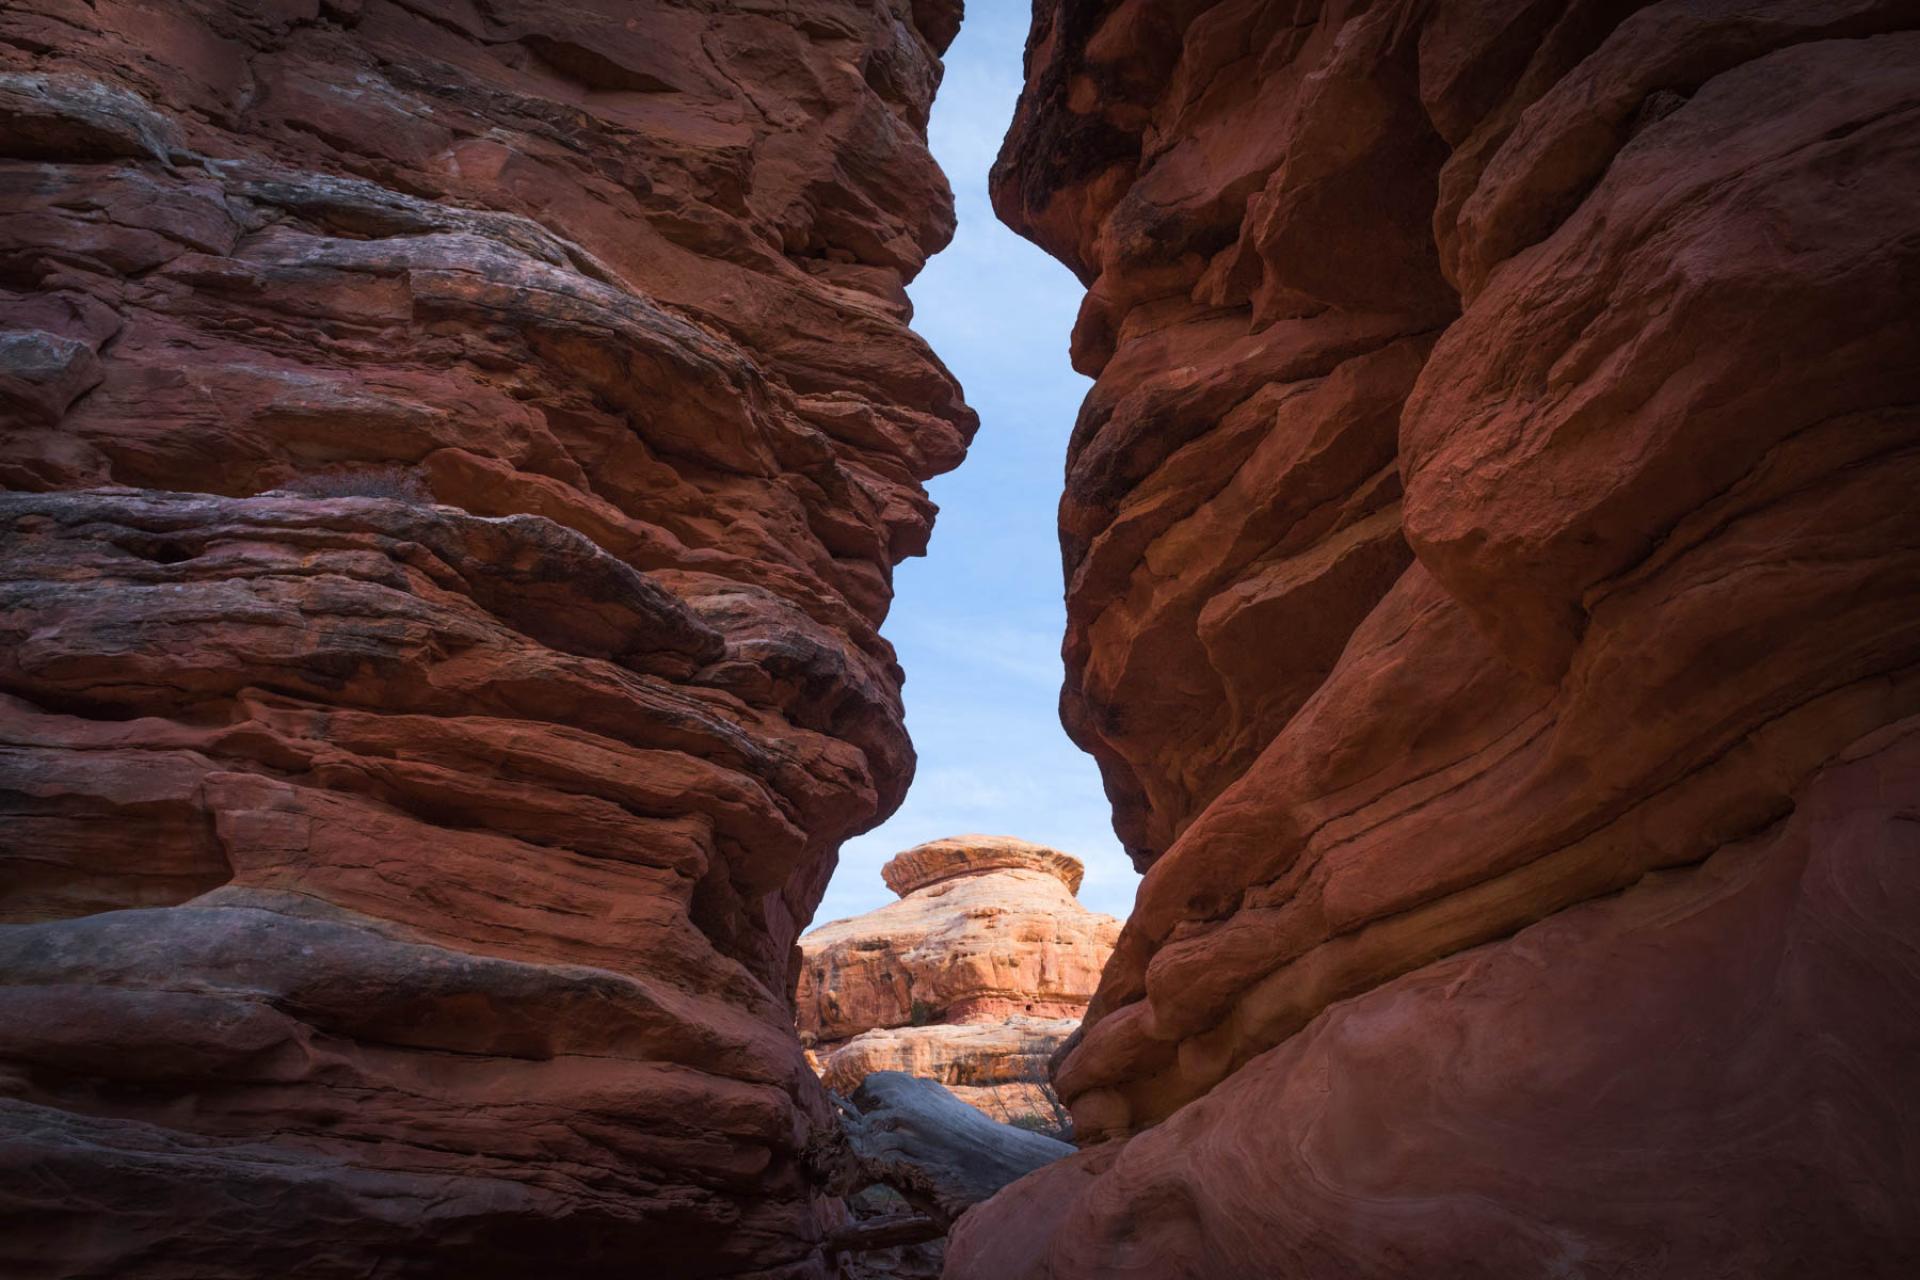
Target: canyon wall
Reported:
point(455, 454)
point(1494, 604)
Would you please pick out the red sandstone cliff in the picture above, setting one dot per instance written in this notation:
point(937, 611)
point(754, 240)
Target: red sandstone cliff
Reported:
point(1494, 604)
point(457, 450)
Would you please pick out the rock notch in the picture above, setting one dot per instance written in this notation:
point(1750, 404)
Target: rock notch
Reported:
point(973, 978)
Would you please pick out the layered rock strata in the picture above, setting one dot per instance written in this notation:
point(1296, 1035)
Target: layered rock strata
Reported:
point(456, 455)
point(1494, 604)
point(974, 978)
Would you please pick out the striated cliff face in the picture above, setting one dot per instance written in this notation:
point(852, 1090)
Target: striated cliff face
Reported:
point(1494, 604)
point(456, 451)
point(974, 978)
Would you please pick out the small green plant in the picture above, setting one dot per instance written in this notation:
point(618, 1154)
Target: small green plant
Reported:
point(920, 1014)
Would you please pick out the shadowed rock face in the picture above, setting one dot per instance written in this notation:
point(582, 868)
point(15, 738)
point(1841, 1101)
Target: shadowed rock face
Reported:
point(941, 1154)
point(456, 457)
point(1494, 602)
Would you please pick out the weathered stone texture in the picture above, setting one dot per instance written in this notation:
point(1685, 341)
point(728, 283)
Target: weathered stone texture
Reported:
point(1494, 603)
point(974, 978)
point(457, 452)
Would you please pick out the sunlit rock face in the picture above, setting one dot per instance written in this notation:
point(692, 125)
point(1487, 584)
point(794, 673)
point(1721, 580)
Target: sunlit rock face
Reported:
point(974, 978)
point(457, 453)
point(1493, 601)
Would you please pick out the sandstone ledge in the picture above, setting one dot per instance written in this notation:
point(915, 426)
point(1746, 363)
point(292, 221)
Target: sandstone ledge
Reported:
point(936, 860)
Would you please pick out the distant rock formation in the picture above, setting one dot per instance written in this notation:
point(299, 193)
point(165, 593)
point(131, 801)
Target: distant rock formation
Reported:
point(457, 451)
point(1493, 597)
point(973, 978)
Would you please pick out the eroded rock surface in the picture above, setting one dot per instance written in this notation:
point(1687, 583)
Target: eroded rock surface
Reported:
point(457, 456)
point(999, 1066)
point(973, 978)
point(1494, 603)
point(913, 1134)
point(920, 1157)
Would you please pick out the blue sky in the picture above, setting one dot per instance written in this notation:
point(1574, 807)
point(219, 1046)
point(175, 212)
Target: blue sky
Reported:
point(978, 620)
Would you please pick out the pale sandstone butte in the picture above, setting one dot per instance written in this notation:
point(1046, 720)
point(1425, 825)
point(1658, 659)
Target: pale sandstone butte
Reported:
point(1494, 603)
point(974, 978)
point(405, 881)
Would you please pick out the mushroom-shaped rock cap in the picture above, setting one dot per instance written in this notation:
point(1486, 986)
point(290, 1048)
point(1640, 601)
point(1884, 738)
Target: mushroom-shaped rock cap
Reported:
point(952, 856)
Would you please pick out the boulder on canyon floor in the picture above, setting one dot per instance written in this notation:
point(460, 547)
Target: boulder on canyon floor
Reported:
point(457, 451)
point(974, 978)
point(1493, 593)
point(917, 1157)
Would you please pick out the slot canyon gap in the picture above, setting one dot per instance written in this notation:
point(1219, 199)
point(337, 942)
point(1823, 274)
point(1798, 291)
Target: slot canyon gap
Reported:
point(455, 454)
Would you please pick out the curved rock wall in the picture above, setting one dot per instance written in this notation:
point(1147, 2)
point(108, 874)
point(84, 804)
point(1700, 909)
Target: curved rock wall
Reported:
point(1494, 604)
point(456, 451)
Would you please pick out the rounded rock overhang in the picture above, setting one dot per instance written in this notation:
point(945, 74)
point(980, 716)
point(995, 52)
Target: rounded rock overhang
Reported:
point(954, 856)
